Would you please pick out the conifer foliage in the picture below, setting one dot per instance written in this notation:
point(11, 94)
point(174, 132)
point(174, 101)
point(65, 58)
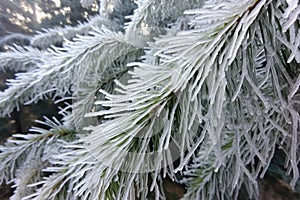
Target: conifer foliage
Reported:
point(210, 84)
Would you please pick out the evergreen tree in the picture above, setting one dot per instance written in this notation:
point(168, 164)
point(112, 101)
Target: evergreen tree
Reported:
point(212, 85)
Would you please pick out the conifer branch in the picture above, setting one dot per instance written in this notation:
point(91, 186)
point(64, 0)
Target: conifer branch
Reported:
point(22, 59)
point(23, 157)
point(217, 91)
point(58, 36)
point(64, 68)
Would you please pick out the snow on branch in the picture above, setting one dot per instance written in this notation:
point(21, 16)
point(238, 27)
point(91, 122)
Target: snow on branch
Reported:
point(24, 156)
point(219, 96)
point(58, 36)
point(23, 59)
point(159, 92)
point(64, 68)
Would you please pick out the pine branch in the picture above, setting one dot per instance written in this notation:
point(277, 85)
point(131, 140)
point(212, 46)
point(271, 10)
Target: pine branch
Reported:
point(22, 59)
point(68, 168)
point(158, 93)
point(58, 36)
point(152, 17)
point(14, 39)
point(289, 24)
point(84, 97)
point(219, 95)
point(65, 68)
point(25, 156)
point(255, 87)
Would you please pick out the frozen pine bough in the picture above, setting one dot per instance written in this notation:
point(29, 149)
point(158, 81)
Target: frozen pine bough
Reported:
point(212, 85)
